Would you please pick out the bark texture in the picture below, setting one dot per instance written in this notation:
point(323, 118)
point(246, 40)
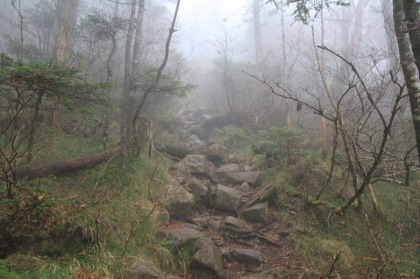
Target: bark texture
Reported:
point(408, 64)
point(63, 167)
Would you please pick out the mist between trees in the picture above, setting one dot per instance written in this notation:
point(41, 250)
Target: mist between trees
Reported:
point(335, 77)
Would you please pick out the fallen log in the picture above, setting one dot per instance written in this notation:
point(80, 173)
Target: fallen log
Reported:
point(63, 167)
point(262, 195)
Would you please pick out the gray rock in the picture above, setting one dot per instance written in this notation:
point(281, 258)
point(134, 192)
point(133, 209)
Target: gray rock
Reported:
point(207, 257)
point(257, 213)
point(193, 226)
point(232, 158)
point(174, 148)
point(177, 200)
point(226, 254)
point(193, 141)
point(181, 173)
point(162, 217)
point(196, 164)
point(234, 228)
point(240, 177)
point(182, 236)
point(142, 269)
point(215, 152)
point(248, 256)
point(214, 225)
point(200, 221)
point(198, 188)
point(225, 170)
point(227, 199)
point(244, 187)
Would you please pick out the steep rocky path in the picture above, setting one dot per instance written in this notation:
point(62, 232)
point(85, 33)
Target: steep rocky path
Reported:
point(215, 204)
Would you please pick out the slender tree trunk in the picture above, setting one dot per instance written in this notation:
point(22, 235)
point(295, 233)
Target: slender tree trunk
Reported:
point(411, 8)
point(65, 29)
point(137, 40)
point(285, 74)
point(125, 111)
point(390, 33)
point(323, 98)
point(341, 122)
point(257, 32)
point(409, 67)
point(34, 121)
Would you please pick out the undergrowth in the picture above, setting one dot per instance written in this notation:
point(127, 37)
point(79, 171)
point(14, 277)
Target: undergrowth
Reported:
point(86, 224)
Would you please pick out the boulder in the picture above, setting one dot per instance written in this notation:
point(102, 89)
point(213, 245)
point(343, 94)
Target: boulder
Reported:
point(142, 269)
point(207, 257)
point(214, 225)
point(244, 188)
point(226, 254)
point(225, 171)
point(193, 140)
point(232, 158)
point(177, 200)
point(235, 228)
point(240, 177)
point(196, 164)
point(215, 152)
point(181, 173)
point(199, 188)
point(201, 221)
point(173, 148)
point(248, 256)
point(257, 213)
point(181, 236)
point(161, 216)
point(227, 199)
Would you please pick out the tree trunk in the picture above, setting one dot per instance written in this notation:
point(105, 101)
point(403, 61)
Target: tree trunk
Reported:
point(409, 67)
point(257, 32)
point(125, 117)
point(412, 15)
point(137, 40)
point(63, 167)
point(65, 24)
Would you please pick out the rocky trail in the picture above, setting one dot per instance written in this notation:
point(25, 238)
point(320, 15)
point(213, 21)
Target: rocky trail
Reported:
point(216, 205)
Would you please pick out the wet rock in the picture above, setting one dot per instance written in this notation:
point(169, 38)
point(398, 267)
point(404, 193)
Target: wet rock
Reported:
point(207, 257)
point(226, 254)
point(232, 158)
point(248, 256)
point(193, 226)
point(173, 148)
point(196, 164)
point(181, 173)
point(182, 236)
point(200, 221)
point(198, 188)
point(225, 171)
point(244, 187)
point(177, 200)
point(234, 228)
point(193, 140)
point(227, 199)
point(257, 213)
point(213, 176)
point(215, 152)
point(240, 177)
point(142, 269)
point(161, 216)
point(214, 225)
